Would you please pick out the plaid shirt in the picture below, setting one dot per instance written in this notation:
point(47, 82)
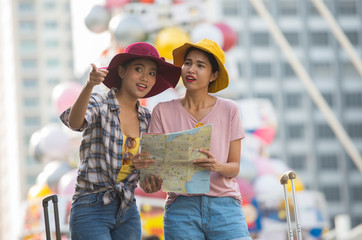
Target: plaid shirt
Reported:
point(101, 150)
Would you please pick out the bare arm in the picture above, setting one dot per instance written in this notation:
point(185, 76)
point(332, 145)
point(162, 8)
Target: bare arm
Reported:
point(228, 169)
point(79, 108)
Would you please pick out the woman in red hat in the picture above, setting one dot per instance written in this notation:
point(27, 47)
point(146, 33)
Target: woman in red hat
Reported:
point(217, 214)
point(103, 204)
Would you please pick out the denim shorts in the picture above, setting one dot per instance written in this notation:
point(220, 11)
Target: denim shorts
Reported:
point(204, 217)
point(91, 219)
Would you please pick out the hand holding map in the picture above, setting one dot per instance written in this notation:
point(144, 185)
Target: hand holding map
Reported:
point(174, 154)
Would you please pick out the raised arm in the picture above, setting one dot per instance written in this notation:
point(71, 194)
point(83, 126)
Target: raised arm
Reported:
point(79, 108)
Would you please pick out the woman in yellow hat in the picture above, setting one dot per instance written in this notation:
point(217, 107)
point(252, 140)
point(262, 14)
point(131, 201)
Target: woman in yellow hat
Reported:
point(217, 214)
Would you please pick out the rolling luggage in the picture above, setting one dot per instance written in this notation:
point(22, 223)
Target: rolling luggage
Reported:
point(54, 199)
point(284, 181)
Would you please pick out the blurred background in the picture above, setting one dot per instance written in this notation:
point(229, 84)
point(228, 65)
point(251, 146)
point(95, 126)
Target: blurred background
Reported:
point(295, 75)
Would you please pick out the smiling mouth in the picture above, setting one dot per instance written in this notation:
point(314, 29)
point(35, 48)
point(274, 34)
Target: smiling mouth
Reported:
point(141, 86)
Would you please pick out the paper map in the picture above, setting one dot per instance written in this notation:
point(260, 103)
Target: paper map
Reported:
point(174, 154)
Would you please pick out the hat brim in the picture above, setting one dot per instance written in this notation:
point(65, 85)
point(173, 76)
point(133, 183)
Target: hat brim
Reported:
point(167, 76)
point(220, 83)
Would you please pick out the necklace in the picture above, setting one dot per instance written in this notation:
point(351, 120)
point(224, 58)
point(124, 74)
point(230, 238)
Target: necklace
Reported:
point(199, 124)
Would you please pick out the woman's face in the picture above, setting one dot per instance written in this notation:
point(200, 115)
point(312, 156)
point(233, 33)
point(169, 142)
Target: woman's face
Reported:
point(138, 77)
point(197, 71)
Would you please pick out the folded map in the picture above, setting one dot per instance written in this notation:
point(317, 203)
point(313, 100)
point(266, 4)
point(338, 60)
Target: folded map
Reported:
point(174, 154)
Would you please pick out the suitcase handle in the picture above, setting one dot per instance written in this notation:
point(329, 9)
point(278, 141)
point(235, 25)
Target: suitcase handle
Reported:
point(54, 199)
point(284, 181)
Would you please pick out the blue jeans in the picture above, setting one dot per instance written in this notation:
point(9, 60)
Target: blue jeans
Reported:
point(204, 217)
point(91, 219)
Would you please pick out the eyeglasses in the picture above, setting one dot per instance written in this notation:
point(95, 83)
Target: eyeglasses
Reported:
point(129, 144)
point(199, 124)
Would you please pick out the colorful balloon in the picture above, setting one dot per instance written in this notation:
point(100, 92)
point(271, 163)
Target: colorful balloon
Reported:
point(207, 30)
point(34, 146)
point(39, 191)
point(229, 35)
point(265, 134)
point(246, 189)
point(98, 19)
point(54, 143)
point(116, 3)
point(65, 94)
point(129, 30)
point(67, 182)
point(170, 38)
point(52, 173)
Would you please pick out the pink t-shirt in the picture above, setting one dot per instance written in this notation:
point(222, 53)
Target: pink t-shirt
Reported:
point(168, 117)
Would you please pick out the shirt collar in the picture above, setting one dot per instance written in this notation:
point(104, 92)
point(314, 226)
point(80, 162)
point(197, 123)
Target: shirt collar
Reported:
point(115, 105)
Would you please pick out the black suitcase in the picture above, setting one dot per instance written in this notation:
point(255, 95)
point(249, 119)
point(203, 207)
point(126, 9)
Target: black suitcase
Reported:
point(54, 199)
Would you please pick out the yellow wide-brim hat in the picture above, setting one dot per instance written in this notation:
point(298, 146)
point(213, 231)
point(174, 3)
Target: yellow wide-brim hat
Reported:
point(209, 46)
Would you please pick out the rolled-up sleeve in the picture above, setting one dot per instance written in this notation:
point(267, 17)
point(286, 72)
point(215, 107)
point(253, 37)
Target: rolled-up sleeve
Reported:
point(91, 113)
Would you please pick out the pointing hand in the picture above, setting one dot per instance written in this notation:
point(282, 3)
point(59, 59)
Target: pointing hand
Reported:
point(97, 75)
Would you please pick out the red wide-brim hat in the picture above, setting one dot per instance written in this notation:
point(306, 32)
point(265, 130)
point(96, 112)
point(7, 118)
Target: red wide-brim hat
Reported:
point(167, 75)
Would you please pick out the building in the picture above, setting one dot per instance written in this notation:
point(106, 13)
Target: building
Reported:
point(43, 46)
point(36, 54)
point(9, 147)
point(304, 139)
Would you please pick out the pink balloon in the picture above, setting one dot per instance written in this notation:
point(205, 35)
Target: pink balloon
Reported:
point(116, 3)
point(266, 135)
point(66, 185)
point(147, 1)
point(264, 166)
point(246, 189)
point(65, 94)
point(230, 37)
